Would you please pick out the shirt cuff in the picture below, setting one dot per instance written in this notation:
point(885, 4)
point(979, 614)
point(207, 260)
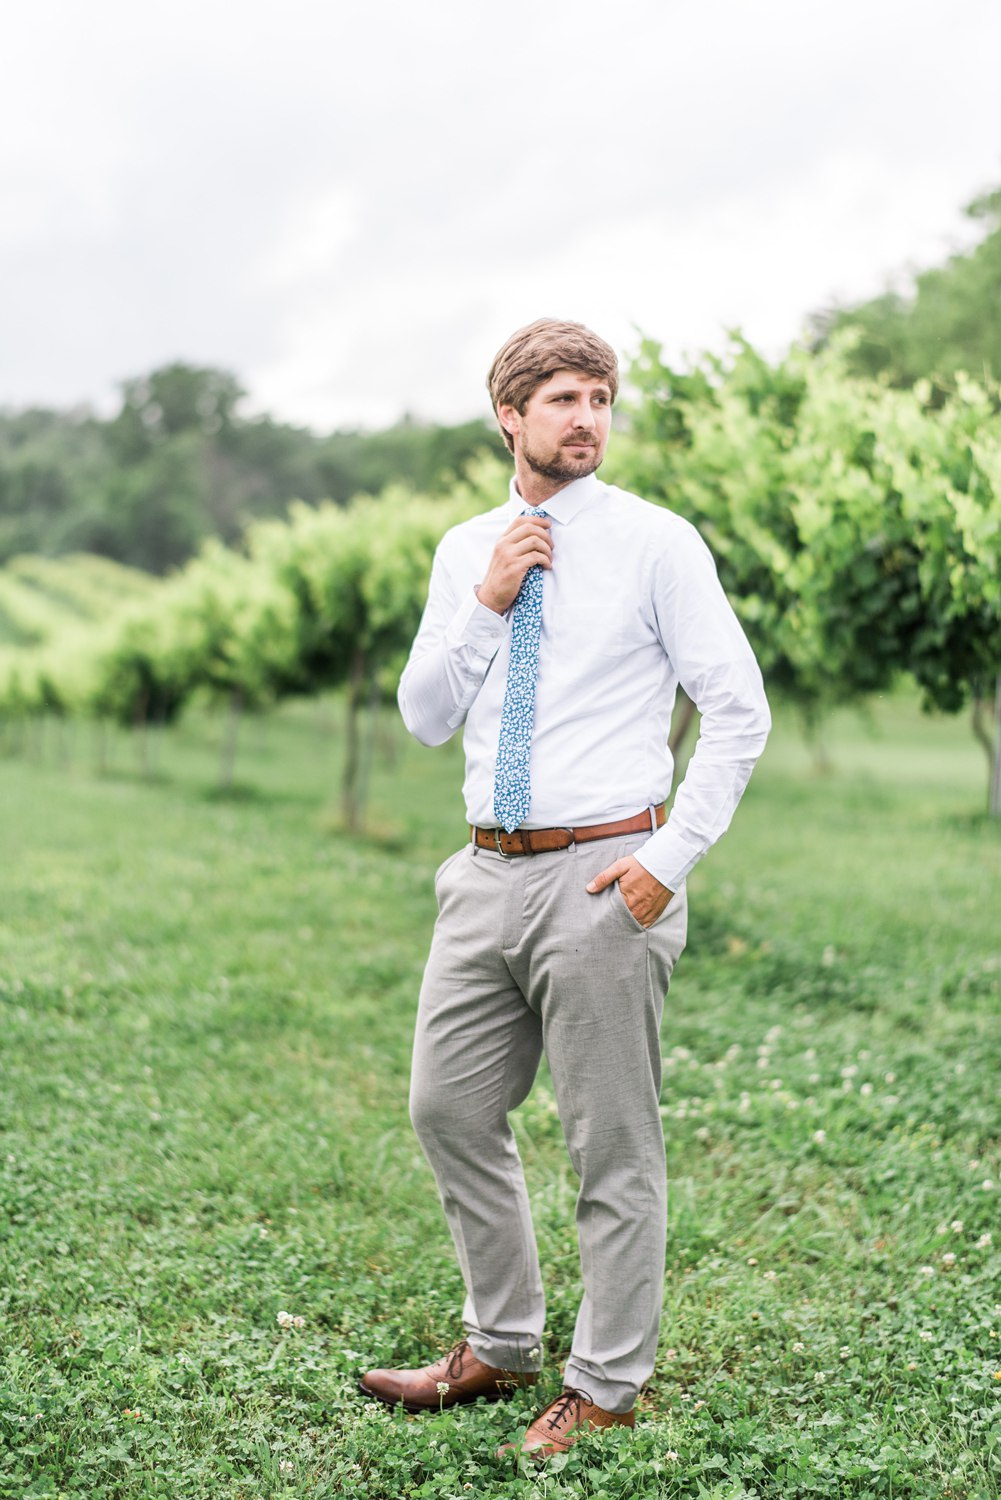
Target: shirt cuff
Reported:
point(668, 857)
point(476, 626)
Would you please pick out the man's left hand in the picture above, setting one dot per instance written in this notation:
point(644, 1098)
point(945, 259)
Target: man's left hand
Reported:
point(642, 892)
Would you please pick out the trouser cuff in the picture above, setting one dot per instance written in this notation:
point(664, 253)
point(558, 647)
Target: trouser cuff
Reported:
point(611, 1395)
point(523, 1358)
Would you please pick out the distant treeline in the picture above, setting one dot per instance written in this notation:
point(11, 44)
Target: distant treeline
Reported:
point(950, 321)
point(178, 463)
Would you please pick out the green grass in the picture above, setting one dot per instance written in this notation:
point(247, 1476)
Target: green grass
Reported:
point(206, 1008)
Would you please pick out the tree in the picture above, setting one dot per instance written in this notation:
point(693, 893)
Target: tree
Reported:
point(950, 322)
point(857, 528)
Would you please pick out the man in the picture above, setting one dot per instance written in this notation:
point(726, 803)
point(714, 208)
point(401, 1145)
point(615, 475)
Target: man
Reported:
point(557, 630)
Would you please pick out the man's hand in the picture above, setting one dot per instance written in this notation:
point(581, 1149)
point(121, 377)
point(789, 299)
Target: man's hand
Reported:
point(642, 892)
point(525, 543)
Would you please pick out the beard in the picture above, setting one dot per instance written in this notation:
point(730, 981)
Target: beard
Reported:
point(562, 467)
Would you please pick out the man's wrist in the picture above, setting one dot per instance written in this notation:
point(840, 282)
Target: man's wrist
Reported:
point(496, 609)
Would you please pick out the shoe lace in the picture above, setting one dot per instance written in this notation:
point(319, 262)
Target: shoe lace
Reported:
point(567, 1405)
point(455, 1357)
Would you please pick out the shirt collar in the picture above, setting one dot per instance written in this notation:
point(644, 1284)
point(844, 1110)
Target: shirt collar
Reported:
point(567, 503)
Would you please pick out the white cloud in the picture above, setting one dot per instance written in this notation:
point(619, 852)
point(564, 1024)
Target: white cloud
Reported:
point(353, 208)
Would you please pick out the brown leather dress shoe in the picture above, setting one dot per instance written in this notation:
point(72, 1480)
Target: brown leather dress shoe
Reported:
point(454, 1380)
point(557, 1428)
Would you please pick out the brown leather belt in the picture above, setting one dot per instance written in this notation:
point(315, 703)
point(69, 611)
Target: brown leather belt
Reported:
point(548, 840)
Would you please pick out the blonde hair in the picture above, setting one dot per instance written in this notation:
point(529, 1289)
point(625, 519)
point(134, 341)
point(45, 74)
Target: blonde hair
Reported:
point(536, 352)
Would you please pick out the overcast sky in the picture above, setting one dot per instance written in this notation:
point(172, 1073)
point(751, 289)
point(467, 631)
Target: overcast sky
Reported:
point(352, 206)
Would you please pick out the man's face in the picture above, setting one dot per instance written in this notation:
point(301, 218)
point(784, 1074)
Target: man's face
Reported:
point(563, 431)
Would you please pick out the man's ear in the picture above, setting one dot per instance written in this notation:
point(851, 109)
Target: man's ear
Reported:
point(509, 418)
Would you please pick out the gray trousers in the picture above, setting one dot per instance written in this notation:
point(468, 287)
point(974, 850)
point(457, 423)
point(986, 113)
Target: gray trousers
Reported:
point(523, 960)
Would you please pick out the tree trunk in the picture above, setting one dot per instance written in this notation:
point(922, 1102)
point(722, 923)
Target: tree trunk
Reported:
point(141, 735)
point(101, 758)
point(350, 787)
point(64, 741)
point(986, 726)
point(994, 801)
point(230, 737)
point(368, 749)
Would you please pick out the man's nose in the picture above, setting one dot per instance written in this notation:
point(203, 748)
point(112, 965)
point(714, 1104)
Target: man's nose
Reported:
point(584, 416)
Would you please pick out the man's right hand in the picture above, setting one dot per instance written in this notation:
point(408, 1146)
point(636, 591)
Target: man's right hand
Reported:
point(525, 543)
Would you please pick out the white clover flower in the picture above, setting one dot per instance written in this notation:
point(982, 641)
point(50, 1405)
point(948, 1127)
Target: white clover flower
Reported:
point(670, 1353)
point(286, 1466)
point(987, 1185)
point(671, 1456)
point(819, 1137)
point(813, 1078)
point(948, 1259)
point(984, 1240)
point(819, 1378)
point(752, 1260)
point(926, 1270)
point(284, 1320)
point(442, 1387)
point(866, 1090)
point(925, 1336)
point(912, 1364)
point(844, 1352)
point(850, 1071)
point(956, 1226)
point(298, 1321)
point(799, 1347)
point(769, 1275)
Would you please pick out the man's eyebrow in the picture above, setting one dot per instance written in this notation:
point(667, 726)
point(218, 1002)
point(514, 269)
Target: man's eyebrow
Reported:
point(570, 390)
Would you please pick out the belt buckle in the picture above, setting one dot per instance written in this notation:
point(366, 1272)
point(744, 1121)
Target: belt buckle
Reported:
point(497, 841)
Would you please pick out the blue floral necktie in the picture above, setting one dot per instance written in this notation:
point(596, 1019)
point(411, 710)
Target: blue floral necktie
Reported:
point(512, 782)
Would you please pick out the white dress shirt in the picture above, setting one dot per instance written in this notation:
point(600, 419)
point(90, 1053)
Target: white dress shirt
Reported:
point(631, 608)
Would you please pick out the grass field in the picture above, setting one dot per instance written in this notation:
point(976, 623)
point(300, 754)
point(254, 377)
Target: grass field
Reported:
point(206, 1010)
